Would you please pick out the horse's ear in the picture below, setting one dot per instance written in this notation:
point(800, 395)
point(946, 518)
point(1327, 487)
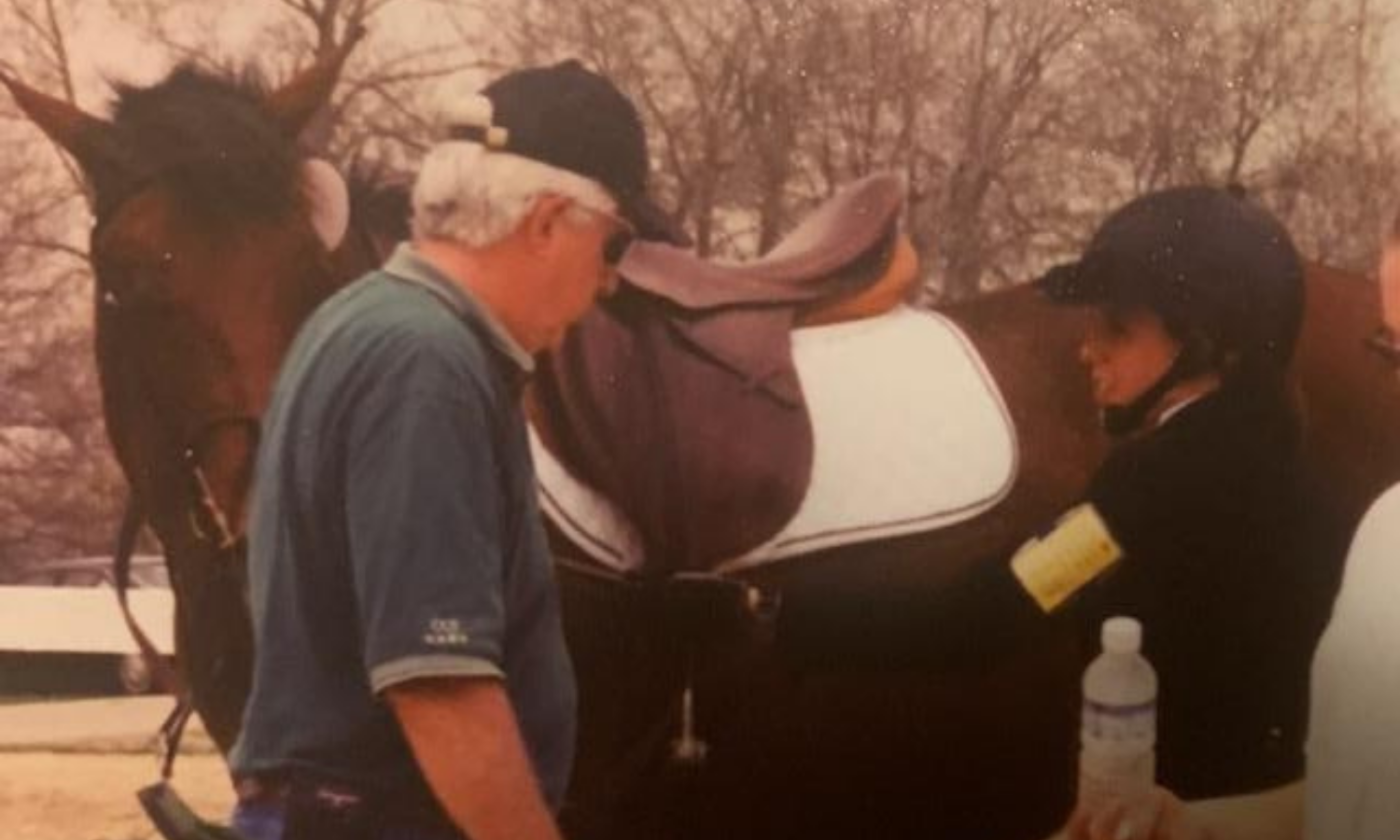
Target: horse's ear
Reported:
point(294, 104)
point(91, 141)
point(328, 201)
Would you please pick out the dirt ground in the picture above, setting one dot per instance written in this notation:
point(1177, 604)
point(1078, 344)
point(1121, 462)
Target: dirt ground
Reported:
point(86, 796)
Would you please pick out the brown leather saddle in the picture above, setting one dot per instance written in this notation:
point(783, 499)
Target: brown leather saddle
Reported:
point(678, 399)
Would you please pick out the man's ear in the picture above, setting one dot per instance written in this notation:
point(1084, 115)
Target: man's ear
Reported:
point(544, 219)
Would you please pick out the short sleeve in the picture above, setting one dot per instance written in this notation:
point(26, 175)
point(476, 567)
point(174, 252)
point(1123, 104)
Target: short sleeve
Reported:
point(424, 525)
point(1354, 730)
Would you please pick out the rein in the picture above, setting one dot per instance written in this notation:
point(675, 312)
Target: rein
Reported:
point(207, 519)
point(174, 724)
point(208, 523)
point(179, 457)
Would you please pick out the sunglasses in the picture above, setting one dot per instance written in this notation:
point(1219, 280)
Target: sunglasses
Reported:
point(616, 245)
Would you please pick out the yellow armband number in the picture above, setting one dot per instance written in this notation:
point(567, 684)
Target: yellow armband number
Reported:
point(1055, 566)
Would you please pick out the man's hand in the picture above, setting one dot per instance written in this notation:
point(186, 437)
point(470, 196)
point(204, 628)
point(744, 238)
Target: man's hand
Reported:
point(1159, 816)
point(465, 738)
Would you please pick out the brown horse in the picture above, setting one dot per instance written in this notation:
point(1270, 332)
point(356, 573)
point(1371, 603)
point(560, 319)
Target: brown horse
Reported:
point(204, 273)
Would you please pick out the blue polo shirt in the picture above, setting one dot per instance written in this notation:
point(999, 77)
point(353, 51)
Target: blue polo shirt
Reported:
point(394, 535)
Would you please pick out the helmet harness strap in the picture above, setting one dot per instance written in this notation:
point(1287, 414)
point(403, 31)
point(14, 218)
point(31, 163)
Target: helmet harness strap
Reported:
point(1120, 420)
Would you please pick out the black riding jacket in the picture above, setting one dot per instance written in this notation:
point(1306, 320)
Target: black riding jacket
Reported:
point(1229, 565)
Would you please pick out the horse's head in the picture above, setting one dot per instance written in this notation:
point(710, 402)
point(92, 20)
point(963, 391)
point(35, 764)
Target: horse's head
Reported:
point(214, 238)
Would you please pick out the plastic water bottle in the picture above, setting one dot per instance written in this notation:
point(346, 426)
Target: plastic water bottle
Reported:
point(1118, 731)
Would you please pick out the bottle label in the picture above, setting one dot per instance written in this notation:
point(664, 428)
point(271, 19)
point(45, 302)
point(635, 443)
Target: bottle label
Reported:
point(1110, 723)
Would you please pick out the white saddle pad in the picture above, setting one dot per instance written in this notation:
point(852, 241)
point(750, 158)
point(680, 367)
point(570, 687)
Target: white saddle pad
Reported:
point(910, 433)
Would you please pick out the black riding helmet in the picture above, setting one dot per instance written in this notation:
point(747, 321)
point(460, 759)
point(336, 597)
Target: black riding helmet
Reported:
point(1221, 272)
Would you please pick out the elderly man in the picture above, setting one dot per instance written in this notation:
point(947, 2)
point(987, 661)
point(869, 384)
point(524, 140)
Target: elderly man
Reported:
point(412, 678)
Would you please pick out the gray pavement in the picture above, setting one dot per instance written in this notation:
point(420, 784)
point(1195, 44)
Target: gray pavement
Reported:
point(106, 725)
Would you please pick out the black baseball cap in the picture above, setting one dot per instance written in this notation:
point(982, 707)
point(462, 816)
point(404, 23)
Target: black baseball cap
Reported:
point(570, 117)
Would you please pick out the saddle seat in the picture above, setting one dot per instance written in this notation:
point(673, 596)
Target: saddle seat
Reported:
point(838, 251)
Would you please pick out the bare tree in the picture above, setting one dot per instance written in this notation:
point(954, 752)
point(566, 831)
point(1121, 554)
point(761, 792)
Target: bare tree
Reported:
point(686, 64)
point(60, 490)
point(376, 113)
point(58, 483)
point(1013, 72)
point(1269, 94)
point(759, 108)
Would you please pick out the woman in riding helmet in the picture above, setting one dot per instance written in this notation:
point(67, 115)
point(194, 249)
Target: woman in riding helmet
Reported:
point(1354, 721)
point(1199, 523)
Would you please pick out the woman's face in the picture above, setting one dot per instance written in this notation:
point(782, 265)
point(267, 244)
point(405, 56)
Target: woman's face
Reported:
point(1126, 351)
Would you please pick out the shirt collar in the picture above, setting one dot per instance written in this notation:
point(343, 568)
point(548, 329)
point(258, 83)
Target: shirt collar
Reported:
point(1177, 409)
point(407, 264)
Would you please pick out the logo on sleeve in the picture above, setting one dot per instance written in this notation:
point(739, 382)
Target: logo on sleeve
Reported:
point(445, 632)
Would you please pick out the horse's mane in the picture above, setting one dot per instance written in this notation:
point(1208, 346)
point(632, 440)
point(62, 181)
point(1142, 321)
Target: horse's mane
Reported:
point(210, 140)
point(380, 202)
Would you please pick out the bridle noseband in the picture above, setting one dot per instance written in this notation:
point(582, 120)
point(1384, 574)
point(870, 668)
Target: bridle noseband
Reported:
point(207, 519)
point(209, 523)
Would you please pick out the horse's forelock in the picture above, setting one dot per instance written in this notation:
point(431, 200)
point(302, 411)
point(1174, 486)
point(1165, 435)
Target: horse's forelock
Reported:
point(210, 141)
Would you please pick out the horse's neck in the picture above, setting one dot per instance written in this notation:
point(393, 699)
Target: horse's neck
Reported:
point(1351, 394)
point(1030, 348)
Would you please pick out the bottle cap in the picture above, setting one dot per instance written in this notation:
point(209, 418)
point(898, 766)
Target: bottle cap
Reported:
point(1122, 634)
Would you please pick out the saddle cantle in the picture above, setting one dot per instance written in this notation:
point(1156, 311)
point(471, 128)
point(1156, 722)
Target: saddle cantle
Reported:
point(894, 454)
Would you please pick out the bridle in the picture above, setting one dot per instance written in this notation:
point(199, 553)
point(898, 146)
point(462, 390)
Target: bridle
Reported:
point(172, 453)
point(207, 519)
point(209, 524)
point(178, 453)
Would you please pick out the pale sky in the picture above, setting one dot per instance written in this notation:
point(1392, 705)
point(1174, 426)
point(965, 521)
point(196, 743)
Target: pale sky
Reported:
point(116, 51)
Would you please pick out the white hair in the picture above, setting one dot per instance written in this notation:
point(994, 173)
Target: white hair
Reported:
point(475, 196)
